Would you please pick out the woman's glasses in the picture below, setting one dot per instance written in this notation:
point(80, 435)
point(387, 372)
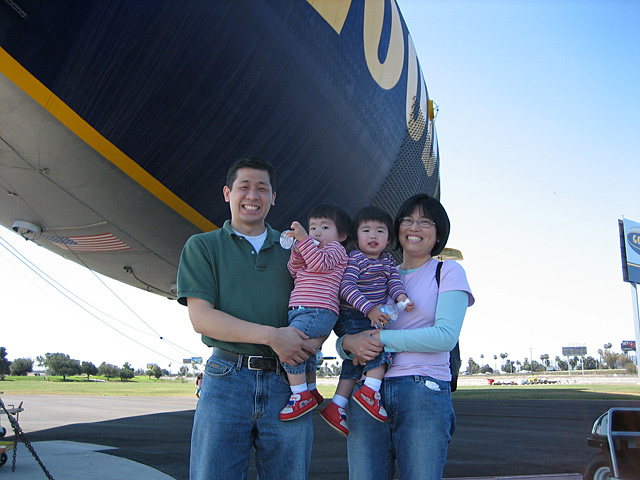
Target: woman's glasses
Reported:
point(426, 224)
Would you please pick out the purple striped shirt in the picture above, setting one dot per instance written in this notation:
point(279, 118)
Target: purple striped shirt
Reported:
point(367, 282)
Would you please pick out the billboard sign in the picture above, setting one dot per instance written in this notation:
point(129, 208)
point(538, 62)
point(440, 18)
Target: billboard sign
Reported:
point(630, 249)
point(628, 346)
point(574, 351)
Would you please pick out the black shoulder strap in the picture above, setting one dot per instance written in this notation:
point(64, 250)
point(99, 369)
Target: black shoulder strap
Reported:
point(438, 270)
point(454, 355)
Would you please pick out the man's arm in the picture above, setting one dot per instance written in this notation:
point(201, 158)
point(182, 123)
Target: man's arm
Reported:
point(290, 344)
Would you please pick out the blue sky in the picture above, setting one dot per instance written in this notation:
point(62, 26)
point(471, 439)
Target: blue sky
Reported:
point(537, 125)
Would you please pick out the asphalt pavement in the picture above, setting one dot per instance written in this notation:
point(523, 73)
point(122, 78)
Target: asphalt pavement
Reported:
point(148, 438)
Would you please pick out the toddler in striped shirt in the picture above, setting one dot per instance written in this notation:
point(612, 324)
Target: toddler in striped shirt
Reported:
point(317, 263)
point(370, 278)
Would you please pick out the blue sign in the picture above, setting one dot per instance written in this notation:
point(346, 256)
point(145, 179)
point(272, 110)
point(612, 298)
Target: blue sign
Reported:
point(630, 244)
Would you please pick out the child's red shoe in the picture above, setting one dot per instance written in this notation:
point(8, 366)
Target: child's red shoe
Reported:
point(299, 404)
point(336, 417)
point(370, 401)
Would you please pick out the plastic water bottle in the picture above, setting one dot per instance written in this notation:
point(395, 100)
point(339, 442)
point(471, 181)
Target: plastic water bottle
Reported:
point(393, 310)
point(289, 242)
point(390, 310)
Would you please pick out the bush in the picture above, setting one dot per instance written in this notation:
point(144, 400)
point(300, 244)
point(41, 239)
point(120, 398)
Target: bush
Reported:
point(631, 368)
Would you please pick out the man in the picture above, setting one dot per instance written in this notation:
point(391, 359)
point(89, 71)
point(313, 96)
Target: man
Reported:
point(236, 286)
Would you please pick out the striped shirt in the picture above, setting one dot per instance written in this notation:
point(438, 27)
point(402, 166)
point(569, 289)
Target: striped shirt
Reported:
point(316, 275)
point(367, 282)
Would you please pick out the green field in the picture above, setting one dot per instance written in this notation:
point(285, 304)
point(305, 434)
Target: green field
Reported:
point(143, 386)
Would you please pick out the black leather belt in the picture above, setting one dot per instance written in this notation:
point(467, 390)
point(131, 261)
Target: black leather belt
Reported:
point(252, 362)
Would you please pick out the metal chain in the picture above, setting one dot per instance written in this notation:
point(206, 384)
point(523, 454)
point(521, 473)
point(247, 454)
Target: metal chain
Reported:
point(18, 432)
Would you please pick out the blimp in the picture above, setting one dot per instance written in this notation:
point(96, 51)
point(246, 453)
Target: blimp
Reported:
point(119, 119)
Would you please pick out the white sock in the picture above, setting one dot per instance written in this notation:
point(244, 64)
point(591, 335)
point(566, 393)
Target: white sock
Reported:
point(373, 383)
point(340, 401)
point(299, 388)
point(312, 386)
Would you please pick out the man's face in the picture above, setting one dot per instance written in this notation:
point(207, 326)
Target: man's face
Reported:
point(249, 198)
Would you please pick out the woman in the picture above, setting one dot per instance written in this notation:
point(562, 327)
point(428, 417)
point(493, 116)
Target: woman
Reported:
point(416, 392)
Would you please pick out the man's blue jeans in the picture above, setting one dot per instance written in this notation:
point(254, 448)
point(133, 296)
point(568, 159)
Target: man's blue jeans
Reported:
point(239, 409)
point(415, 436)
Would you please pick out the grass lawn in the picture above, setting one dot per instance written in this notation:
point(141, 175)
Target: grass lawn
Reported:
point(549, 392)
point(143, 386)
point(78, 385)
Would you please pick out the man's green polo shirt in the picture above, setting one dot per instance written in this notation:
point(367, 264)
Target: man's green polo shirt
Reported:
point(224, 269)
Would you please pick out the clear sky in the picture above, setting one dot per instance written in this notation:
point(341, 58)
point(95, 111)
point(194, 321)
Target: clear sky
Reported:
point(538, 128)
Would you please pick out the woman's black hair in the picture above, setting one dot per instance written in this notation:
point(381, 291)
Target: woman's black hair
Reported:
point(340, 217)
point(373, 214)
point(431, 208)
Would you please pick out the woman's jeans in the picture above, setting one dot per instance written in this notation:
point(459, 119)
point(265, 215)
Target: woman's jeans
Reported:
point(239, 409)
point(415, 436)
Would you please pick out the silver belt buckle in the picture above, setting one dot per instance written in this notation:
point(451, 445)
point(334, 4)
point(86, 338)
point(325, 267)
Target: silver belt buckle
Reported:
point(251, 357)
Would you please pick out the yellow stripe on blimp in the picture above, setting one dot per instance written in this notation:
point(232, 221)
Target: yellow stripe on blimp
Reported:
point(56, 107)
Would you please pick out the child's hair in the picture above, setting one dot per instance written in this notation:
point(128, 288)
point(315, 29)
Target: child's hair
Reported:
point(373, 214)
point(338, 215)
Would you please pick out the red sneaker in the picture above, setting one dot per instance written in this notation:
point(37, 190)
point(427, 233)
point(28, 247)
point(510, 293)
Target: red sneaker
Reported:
point(316, 394)
point(299, 404)
point(370, 401)
point(336, 417)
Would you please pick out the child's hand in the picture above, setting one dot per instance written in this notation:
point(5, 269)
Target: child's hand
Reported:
point(378, 319)
point(408, 306)
point(297, 231)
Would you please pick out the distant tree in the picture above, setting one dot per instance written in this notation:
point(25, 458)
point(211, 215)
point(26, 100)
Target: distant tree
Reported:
point(183, 371)
point(562, 365)
point(108, 370)
point(126, 372)
point(21, 366)
point(508, 367)
point(139, 372)
point(89, 369)
point(61, 364)
point(590, 363)
point(486, 369)
point(4, 363)
point(154, 371)
point(545, 359)
point(473, 367)
point(573, 362)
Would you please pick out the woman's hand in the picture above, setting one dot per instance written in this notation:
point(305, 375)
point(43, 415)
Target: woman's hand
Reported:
point(364, 346)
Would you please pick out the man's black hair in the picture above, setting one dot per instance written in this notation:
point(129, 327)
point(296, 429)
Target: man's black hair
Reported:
point(256, 163)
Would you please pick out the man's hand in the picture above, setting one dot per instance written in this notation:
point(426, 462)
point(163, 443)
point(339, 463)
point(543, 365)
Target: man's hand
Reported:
point(291, 345)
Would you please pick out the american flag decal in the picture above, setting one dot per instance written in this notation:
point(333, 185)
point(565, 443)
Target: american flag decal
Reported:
point(104, 242)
